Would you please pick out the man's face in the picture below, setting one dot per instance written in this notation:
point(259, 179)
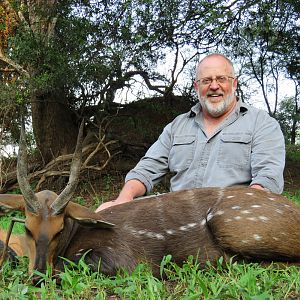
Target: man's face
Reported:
point(216, 98)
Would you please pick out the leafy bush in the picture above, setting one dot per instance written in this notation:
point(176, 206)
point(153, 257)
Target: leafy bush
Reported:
point(293, 152)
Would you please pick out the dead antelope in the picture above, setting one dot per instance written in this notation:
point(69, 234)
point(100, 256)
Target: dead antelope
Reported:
point(250, 224)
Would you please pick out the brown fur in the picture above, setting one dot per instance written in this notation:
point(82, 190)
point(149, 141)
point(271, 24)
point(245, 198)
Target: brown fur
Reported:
point(206, 223)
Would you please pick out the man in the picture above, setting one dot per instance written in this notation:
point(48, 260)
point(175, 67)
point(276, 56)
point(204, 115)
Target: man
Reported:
point(220, 142)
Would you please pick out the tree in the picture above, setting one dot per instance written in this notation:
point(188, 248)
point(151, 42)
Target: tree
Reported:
point(289, 117)
point(266, 44)
point(69, 59)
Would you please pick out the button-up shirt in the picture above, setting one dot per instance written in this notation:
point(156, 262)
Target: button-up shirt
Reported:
point(247, 148)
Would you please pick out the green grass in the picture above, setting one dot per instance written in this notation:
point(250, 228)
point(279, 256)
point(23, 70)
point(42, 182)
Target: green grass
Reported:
point(6, 220)
point(294, 196)
point(226, 281)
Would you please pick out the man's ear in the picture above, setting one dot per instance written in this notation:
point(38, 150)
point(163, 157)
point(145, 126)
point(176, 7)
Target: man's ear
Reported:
point(196, 85)
point(85, 217)
point(235, 83)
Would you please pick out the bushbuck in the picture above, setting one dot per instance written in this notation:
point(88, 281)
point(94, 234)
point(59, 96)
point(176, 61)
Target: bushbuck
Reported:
point(249, 224)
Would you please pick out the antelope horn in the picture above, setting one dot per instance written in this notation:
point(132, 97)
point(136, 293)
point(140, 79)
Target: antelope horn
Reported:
point(65, 196)
point(32, 203)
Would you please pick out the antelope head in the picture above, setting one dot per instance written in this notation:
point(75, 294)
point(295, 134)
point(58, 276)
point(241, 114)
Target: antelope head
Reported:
point(45, 211)
point(49, 226)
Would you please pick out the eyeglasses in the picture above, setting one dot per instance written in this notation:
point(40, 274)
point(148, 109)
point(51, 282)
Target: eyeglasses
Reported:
point(219, 79)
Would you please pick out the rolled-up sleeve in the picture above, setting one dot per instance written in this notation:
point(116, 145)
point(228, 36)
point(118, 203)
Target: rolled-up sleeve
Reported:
point(268, 154)
point(154, 165)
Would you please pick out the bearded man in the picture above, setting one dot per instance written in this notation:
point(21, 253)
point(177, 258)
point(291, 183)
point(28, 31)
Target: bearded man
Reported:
point(220, 142)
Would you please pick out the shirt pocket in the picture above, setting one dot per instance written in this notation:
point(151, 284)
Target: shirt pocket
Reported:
point(182, 152)
point(234, 150)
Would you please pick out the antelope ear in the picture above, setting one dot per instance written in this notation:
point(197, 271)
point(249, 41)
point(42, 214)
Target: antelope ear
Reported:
point(85, 217)
point(11, 202)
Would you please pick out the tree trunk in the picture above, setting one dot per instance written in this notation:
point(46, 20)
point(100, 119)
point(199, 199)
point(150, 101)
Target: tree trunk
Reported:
point(294, 132)
point(54, 126)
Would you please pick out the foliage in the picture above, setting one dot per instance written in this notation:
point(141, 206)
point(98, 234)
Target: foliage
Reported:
point(6, 221)
point(289, 118)
point(87, 51)
point(294, 196)
point(265, 46)
point(61, 61)
point(293, 153)
point(226, 281)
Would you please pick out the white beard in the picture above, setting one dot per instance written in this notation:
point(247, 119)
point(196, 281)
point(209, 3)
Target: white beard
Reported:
point(219, 108)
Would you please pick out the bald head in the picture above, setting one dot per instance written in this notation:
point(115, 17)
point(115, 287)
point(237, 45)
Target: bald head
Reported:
point(214, 60)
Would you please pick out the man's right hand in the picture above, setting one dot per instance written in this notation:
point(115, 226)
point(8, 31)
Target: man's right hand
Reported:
point(111, 203)
point(132, 189)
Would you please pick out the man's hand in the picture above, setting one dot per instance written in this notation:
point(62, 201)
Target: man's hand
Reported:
point(132, 189)
point(106, 205)
point(258, 186)
point(111, 203)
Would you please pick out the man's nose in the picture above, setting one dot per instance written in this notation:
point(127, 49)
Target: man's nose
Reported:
point(214, 85)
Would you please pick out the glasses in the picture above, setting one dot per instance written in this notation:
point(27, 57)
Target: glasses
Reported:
point(219, 79)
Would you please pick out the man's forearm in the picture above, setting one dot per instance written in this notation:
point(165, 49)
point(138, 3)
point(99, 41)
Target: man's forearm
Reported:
point(132, 189)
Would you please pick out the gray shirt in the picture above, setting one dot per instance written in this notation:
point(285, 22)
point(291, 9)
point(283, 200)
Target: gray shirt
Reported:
point(247, 148)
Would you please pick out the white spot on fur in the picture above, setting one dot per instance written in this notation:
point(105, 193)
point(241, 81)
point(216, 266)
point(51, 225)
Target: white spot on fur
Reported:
point(257, 237)
point(275, 238)
point(250, 194)
point(279, 211)
point(237, 217)
point(282, 233)
point(151, 234)
point(228, 220)
point(134, 232)
point(203, 222)
point(246, 212)
point(286, 205)
point(170, 231)
point(160, 236)
point(144, 232)
point(245, 241)
point(187, 227)
point(252, 219)
point(219, 212)
point(263, 218)
point(236, 207)
point(229, 197)
point(272, 199)
point(255, 206)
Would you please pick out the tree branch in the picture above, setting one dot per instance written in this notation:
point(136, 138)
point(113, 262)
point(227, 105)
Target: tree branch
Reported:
point(14, 65)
